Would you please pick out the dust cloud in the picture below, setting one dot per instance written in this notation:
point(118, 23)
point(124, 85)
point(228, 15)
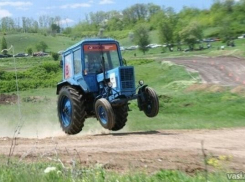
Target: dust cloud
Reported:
point(44, 127)
point(41, 129)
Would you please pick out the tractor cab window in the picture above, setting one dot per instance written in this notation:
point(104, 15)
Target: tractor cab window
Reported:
point(77, 61)
point(68, 72)
point(114, 58)
point(95, 54)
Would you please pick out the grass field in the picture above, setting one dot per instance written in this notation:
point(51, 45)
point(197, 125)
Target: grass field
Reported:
point(23, 172)
point(22, 41)
point(21, 64)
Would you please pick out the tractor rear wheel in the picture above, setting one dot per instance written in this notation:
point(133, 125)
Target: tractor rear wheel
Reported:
point(151, 105)
point(71, 110)
point(121, 114)
point(104, 113)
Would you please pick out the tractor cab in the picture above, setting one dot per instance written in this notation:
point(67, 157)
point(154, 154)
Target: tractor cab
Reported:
point(85, 60)
point(98, 59)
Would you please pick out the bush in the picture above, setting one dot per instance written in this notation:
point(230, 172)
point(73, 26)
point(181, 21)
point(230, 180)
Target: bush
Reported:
point(55, 56)
point(46, 75)
point(29, 50)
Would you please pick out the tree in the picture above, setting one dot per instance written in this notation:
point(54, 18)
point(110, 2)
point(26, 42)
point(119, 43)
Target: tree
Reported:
point(131, 36)
point(153, 9)
point(167, 25)
point(7, 24)
point(4, 46)
point(55, 28)
point(29, 51)
point(226, 32)
point(43, 21)
point(115, 23)
point(141, 37)
point(42, 46)
point(191, 34)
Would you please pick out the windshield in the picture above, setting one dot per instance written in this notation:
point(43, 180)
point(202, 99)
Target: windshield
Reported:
point(95, 53)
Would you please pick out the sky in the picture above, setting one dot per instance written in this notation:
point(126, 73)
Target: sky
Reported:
point(73, 11)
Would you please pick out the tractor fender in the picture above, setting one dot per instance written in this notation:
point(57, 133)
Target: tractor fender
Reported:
point(71, 83)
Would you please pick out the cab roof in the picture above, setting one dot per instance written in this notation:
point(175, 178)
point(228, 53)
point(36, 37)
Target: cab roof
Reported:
point(91, 40)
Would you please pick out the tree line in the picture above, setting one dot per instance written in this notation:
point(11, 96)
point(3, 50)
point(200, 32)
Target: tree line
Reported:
point(29, 25)
point(222, 13)
point(225, 19)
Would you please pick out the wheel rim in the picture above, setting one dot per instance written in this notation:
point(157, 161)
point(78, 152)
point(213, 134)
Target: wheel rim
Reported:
point(66, 111)
point(102, 115)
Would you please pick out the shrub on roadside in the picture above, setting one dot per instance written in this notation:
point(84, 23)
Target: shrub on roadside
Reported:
point(45, 75)
point(55, 56)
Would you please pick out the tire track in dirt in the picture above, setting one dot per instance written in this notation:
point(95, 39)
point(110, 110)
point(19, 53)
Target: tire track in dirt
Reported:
point(226, 71)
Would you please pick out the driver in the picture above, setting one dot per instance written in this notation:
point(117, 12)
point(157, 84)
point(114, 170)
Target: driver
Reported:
point(93, 65)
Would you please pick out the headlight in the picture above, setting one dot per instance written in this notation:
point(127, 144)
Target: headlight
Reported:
point(141, 82)
point(110, 84)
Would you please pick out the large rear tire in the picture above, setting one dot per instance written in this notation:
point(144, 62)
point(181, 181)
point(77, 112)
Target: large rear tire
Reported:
point(121, 114)
point(71, 110)
point(151, 105)
point(104, 113)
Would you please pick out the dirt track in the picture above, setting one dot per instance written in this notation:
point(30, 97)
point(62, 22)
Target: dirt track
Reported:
point(154, 150)
point(226, 71)
point(150, 151)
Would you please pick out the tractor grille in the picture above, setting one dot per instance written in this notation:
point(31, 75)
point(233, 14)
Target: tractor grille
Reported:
point(127, 78)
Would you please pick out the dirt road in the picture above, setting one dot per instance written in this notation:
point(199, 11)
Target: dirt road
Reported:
point(226, 71)
point(150, 151)
point(153, 150)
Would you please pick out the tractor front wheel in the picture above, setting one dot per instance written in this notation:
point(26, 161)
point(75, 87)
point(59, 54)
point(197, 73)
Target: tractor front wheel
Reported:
point(104, 113)
point(121, 114)
point(71, 110)
point(151, 104)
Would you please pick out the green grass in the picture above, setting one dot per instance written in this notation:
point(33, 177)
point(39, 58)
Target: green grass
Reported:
point(192, 111)
point(23, 172)
point(126, 42)
point(22, 41)
point(22, 63)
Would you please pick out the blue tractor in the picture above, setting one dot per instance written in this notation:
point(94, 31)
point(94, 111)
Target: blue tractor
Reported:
point(98, 83)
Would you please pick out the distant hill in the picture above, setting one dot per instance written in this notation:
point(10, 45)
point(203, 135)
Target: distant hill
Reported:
point(21, 41)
